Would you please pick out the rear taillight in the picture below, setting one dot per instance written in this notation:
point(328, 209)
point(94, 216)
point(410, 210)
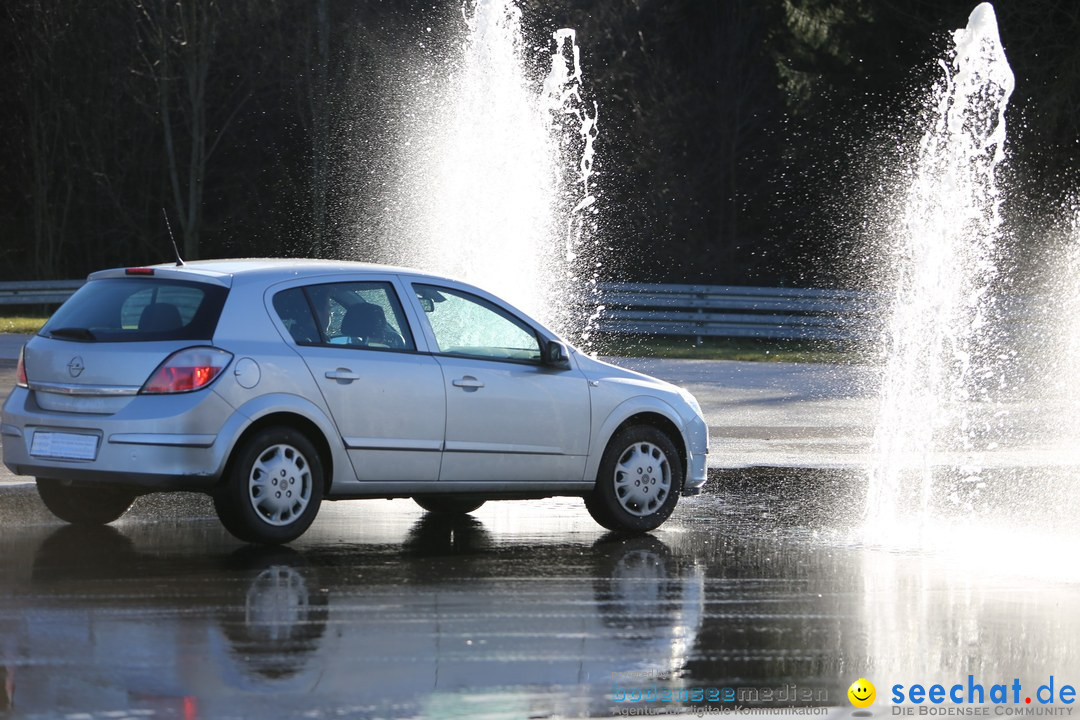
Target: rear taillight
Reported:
point(187, 370)
point(20, 369)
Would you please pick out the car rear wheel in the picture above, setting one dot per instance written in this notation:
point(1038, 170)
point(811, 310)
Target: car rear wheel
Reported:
point(447, 505)
point(639, 481)
point(84, 504)
point(273, 488)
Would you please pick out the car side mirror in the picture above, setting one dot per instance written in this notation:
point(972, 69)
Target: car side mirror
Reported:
point(555, 355)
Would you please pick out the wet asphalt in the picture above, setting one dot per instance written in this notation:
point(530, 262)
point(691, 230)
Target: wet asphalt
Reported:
point(523, 610)
point(757, 594)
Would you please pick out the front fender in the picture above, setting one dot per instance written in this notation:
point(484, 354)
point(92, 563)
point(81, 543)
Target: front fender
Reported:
point(620, 414)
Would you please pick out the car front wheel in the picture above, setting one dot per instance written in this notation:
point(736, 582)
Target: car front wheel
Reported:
point(273, 488)
point(639, 481)
point(84, 504)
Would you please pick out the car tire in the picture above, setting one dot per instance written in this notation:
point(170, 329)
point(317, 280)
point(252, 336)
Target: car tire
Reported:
point(448, 504)
point(639, 481)
point(273, 487)
point(84, 504)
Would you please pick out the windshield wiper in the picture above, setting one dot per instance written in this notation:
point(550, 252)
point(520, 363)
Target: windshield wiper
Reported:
point(72, 333)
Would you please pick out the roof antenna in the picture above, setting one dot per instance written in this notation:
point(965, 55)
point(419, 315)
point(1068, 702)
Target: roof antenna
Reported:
point(179, 261)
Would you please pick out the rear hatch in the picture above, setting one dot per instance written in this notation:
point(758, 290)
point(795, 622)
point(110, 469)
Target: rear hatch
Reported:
point(99, 348)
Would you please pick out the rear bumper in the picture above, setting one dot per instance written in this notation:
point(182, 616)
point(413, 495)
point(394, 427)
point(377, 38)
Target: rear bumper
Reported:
point(134, 447)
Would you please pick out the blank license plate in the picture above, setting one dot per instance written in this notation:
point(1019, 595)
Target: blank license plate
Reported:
point(65, 446)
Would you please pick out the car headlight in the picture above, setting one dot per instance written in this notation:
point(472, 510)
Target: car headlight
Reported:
point(691, 401)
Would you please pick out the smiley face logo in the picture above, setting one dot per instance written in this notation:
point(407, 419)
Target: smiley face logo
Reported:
point(862, 693)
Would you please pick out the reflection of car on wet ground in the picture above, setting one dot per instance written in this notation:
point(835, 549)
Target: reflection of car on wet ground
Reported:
point(275, 384)
point(445, 617)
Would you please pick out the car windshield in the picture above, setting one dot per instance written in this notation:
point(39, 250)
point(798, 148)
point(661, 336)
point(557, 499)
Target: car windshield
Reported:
point(138, 309)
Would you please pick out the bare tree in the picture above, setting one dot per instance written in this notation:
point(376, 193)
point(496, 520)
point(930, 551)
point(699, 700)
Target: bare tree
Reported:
point(178, 42)
point(42, 28)
point(319, 102)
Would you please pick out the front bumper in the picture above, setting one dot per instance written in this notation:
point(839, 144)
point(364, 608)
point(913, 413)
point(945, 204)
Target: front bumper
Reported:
point(695, 481)
point(154, 442)
point(697, 439)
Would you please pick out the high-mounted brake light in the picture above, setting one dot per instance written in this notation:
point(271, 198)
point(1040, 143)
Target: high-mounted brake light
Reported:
point(20, 370)
point(187, 370)
point(139, 271)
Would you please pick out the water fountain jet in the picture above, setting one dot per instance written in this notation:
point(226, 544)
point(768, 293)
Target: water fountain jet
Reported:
point(498, 180)
point(939, 374)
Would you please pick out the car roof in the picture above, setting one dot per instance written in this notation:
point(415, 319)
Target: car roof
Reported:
point(264, 272)
point(269, 269)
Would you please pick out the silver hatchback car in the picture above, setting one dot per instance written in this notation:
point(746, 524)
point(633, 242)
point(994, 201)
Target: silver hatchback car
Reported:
point(275, 384)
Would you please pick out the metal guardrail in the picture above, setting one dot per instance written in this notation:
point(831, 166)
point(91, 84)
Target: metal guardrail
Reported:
point(735, 311)
point(44, 292)
point(657, 309)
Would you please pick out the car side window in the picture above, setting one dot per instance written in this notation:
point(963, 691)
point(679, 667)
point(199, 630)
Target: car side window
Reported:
point(464, 324)
point(295, 313)
point(360, 315)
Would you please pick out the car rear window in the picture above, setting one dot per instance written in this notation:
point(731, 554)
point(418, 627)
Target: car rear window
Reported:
point(138, 310)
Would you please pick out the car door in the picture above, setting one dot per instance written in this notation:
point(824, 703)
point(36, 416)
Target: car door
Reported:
point(386, 398)
point(509, 418)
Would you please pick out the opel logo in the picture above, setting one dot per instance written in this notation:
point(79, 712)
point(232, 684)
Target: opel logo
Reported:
point(75, 367)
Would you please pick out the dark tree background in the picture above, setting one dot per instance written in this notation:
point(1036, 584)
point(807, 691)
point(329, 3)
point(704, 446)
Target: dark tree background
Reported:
point(740, 139)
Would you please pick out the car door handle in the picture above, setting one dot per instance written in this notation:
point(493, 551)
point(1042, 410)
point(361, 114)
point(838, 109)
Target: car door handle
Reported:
point(468, 382)
point(344, 374)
